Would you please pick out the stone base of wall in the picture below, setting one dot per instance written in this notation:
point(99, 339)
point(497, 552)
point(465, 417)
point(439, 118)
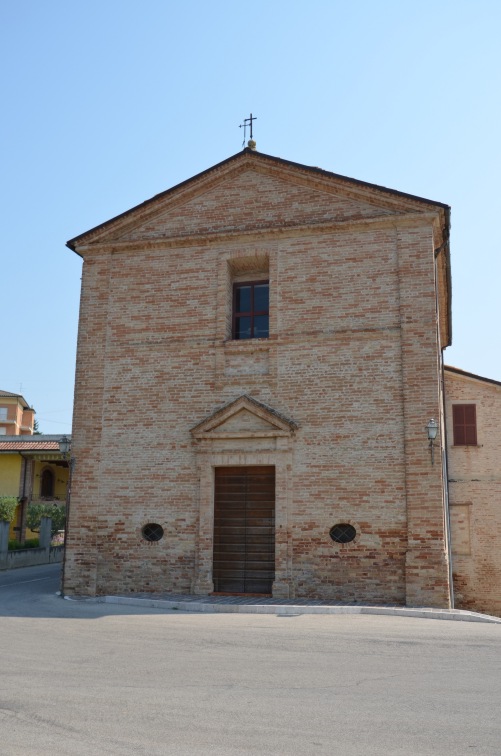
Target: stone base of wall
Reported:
point(31, 557)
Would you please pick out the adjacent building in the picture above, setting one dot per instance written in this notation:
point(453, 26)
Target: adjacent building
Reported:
point(17, 418)
point(473, 412)
point(33, 469)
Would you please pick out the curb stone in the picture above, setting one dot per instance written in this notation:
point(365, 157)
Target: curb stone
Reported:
point(458, 615)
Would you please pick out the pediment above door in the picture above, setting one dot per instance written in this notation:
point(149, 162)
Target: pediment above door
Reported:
point(244, 418)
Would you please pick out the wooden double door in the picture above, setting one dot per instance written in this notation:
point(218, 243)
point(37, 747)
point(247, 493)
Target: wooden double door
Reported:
point(244, 529)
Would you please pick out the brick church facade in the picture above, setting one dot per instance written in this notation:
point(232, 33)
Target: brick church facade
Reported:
point(259, 353)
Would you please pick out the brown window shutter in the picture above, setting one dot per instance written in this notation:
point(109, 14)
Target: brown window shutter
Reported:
point(464, 419)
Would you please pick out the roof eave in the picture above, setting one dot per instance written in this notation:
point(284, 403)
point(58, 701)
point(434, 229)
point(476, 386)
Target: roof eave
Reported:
point(473, 376)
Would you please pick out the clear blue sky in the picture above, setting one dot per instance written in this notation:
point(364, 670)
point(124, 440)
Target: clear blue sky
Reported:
point(106, 103)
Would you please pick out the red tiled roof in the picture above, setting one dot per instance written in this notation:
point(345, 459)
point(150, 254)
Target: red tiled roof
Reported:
point(29, 446)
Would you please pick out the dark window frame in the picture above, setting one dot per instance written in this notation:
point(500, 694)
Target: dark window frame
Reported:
point(251, 313)
point(343, 532)
point(152, 532)
point(47, 483)
point(464, 428)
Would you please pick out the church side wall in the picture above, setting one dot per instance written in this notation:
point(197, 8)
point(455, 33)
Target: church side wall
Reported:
point(89, 415)
point(427, 568)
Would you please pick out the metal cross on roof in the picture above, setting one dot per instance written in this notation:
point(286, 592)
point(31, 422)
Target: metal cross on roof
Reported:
point(247, 122)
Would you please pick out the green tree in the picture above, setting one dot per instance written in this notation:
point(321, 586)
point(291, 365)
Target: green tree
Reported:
point(36, 429)
point(56, 512)
point(8, 506)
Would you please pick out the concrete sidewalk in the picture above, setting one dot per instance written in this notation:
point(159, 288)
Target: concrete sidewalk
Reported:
point(289, 607)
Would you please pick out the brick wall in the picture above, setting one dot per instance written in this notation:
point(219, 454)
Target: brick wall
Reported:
point(352, 358)
point(475, 495)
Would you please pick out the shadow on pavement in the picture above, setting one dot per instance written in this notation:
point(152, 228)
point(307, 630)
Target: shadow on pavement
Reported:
point(33, 592)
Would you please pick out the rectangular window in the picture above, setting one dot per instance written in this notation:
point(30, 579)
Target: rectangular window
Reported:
point(3, 413)
point(251, 310)
point(464, 418)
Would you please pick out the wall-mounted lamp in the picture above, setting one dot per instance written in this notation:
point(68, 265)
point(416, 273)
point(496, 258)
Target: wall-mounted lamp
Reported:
point(65, 449)
point(65, 446)
point(432, 430)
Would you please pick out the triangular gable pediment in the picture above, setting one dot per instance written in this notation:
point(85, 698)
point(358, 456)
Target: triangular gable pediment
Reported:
point(252, 191)
point(251, 200)
point(244, 418)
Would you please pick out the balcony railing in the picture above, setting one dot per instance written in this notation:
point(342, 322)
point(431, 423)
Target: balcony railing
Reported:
point(37, 499)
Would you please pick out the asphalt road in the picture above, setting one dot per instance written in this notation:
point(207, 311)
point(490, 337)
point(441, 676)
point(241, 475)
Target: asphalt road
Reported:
point(83, 679)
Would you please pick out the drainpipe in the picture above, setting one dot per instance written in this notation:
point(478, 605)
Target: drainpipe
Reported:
point(445, 465)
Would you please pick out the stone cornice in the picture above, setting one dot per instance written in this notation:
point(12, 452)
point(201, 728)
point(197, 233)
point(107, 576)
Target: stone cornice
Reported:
point(257, 234)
